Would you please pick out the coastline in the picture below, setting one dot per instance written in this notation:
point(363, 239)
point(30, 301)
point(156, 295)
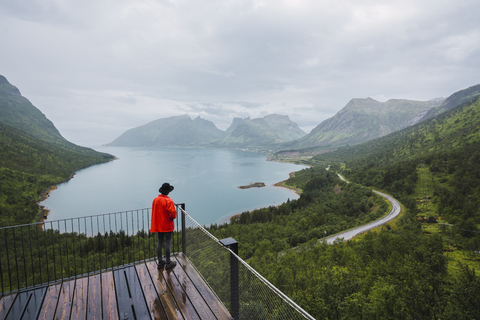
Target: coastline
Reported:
point(44, 212)
point(282, 184)
point(42, 216)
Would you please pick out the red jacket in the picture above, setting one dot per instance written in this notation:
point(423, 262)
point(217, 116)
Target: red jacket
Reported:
point(163, 214)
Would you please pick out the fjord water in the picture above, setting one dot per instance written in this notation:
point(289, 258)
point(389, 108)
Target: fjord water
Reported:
point(206, 180)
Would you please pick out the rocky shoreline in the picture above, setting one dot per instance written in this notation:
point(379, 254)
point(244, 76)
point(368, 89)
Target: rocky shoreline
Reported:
point(282, 184)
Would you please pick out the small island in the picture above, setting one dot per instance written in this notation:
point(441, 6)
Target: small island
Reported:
point(253, 185)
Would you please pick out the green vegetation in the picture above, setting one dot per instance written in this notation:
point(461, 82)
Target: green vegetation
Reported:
point(33, 156)
point(362, 120)
point(32, 256)
point(326, 206)
point(29, 166)
point(424, 265)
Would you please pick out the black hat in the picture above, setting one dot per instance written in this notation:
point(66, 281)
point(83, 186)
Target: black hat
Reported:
point(166, 188)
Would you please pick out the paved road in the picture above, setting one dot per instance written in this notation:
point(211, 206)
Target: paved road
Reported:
point(347, 235)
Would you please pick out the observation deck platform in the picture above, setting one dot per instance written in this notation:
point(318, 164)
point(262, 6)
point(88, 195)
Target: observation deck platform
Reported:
point(137, 291)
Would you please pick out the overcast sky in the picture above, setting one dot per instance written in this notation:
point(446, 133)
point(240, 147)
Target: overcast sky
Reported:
point(96, 68)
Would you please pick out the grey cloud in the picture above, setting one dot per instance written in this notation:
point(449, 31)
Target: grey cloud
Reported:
point(222, 59)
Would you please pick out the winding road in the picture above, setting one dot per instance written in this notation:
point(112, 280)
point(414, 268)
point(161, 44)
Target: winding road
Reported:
point(347, 235)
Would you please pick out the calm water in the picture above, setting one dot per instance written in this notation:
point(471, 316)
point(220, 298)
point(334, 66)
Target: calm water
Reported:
point(206, 180)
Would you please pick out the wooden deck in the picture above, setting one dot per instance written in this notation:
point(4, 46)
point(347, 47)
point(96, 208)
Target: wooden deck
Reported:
point(135, 292)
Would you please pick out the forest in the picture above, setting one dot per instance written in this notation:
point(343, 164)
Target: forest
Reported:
point(408, 269)
point(423, 265)
point(29, 166)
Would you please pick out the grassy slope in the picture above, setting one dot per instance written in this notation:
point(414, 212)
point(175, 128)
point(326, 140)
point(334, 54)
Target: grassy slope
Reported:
point(407, 270)
point(33, 156)
point(444, 152)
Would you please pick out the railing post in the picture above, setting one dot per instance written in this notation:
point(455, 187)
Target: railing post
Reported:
point(184, 231)
point(234, 292)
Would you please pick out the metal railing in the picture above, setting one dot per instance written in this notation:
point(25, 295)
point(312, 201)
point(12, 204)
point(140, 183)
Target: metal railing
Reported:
point(38, 254)
point(41, 253)
point(256, 297)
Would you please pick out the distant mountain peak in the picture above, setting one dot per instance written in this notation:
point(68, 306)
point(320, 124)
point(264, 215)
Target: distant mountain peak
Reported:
point(236, 121)
point(170, 132)
point(267, 132)
point(364, 119)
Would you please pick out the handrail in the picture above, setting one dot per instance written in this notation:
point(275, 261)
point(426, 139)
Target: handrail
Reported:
point(248, 269)
point(42, 253)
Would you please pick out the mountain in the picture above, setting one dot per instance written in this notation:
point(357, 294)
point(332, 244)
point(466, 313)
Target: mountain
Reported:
point(33, 156)
point(170, 132)
point(254, 133)
point(456, 99)
point(16, 111)
point(284, 127)
point(261, 133)
point(362, 120)
point(450, 131)
point(236, 121)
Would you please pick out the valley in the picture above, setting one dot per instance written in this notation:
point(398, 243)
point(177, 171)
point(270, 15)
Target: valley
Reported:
point(423, 264)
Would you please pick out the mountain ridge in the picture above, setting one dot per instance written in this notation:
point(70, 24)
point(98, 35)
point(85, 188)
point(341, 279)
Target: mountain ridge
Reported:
point(362, 120)
point(170, 132)
point(33, 156)
point(182, 131)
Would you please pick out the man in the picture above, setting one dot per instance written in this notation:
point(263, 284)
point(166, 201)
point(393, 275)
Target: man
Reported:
point(163, 215)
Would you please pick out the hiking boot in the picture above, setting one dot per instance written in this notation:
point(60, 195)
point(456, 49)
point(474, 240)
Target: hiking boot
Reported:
point(170, 265)
point(160, 264)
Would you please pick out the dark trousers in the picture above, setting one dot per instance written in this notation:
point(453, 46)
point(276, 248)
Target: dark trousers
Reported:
point(167, 238)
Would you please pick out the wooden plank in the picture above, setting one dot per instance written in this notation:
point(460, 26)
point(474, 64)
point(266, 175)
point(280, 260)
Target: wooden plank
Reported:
point(19, 306)
point(5, 304)
point(94, 301)
point(138, 299)
point(168, 301)
point(49, 305)
point(65, 298)
point(153, 301)
point(131, 303)
point(205, 292)
point(27, 305)
point(110, 310)
point(186, 306)
point(200, 305)
point(80, 295)
point(123, 298)
point(35, 304)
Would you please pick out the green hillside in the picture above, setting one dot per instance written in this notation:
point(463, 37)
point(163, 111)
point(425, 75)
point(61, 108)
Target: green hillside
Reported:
point(447, 132)
point(33, 156)
point(362, 120)
point(423, 265)
point(456, 99)
point(18, 112)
